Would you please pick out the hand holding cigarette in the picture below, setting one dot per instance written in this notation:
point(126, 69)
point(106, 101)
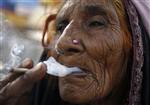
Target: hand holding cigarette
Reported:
point(20, 81)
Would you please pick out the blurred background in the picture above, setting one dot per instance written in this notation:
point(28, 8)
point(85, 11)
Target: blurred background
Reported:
point(21, 23)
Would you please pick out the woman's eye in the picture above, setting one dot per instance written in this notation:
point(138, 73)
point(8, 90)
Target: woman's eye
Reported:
point(96, 24)
point(61, 26)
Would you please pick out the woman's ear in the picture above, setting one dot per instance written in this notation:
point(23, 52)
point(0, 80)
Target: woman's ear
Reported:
point(49, 30)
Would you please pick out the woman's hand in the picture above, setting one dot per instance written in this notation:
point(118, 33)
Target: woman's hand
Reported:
point(15, 85)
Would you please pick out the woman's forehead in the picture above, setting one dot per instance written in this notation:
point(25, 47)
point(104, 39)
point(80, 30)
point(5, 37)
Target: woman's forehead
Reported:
point(84, 6)
point(84, 3)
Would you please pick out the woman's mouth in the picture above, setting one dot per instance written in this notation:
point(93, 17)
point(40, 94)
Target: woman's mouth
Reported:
point(80, 72)
point(57, 69)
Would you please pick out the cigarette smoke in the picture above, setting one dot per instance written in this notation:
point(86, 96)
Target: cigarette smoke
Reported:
point(56, 69)
point(14, 57)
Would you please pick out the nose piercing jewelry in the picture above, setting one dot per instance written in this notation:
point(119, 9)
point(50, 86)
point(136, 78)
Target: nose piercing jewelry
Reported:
point(74, 41)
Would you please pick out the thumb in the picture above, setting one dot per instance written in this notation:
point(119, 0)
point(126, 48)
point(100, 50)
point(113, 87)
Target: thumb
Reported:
point(26, 81)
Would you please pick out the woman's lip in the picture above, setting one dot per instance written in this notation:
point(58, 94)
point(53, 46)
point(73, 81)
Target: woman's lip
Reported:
point(79, 73)
point(83, 72)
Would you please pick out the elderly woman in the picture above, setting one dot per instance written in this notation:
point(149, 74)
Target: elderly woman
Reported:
point(107, 40)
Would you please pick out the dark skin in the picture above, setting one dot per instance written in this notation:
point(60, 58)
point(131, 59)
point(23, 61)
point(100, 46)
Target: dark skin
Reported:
point(16, 86)
point(102, 53)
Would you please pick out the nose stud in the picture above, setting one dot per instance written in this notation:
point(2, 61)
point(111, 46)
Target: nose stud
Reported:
point(75, 41)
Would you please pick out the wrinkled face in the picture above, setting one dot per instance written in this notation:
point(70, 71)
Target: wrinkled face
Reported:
point(91, 38)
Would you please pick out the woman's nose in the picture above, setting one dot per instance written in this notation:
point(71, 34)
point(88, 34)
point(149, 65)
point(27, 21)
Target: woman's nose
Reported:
point(68, 46)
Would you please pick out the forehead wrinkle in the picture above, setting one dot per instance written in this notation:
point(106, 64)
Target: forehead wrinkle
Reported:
point(101, 7)
point(94, 10)
point(79, 8)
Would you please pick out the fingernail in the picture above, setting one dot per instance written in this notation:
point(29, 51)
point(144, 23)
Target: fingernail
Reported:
point(40, 66)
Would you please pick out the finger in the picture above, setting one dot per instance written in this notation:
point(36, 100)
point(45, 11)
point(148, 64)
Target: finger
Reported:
point(27, 63)
point(23, 83)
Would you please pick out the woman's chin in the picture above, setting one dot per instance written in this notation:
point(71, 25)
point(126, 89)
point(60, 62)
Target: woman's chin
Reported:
point(77, 93)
